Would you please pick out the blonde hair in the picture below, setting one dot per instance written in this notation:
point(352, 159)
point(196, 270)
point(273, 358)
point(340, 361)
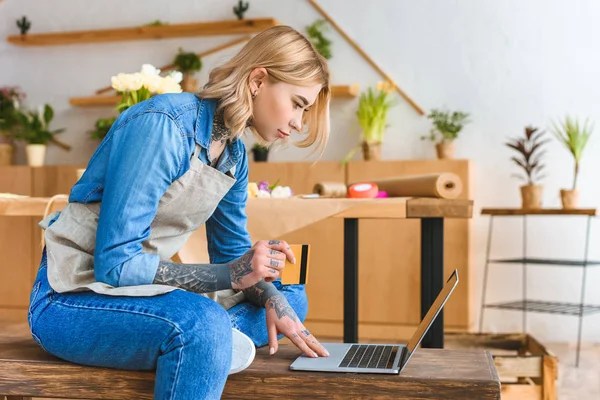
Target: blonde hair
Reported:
point(288, 57)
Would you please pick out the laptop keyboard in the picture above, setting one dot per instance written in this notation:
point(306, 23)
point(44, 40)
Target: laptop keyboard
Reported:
point(369, 356)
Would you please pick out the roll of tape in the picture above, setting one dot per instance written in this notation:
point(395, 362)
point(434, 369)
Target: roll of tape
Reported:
point(363, 190)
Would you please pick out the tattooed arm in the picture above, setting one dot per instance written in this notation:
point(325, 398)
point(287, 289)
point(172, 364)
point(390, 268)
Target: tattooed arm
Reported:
point(266, 295)
point(263, 261)
point(197, 278)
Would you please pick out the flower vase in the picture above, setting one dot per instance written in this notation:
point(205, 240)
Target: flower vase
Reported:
point(36, 154)
point(371, 151)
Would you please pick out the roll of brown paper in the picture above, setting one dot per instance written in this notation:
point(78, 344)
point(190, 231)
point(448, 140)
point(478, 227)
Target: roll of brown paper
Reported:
point(443, 185)
point(331, 189)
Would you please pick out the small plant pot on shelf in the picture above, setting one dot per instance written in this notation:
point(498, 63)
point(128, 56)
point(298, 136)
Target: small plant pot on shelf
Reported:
point(531, 196)
point(189, 84)
point(36, 154)
point(445, 150)
point(569, 198)
point(371, 151)
point(6, 153)
point(260, 155)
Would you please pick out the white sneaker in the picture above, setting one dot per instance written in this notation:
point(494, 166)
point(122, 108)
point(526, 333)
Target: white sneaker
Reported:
point(243, 352)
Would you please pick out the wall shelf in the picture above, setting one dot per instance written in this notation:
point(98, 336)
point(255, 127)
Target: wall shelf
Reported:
point(226, 27)
point(344, 91)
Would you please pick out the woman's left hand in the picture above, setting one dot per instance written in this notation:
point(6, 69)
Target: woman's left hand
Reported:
point(281, 318)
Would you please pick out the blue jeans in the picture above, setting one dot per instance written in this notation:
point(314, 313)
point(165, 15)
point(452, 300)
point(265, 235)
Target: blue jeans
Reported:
point(185, 337)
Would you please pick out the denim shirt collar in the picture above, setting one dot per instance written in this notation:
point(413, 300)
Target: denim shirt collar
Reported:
point(203, 131)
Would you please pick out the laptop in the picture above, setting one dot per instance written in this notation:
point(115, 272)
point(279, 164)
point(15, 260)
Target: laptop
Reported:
point(375, 358)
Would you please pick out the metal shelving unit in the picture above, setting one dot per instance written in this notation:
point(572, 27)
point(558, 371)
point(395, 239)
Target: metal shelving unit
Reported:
point(526, 305)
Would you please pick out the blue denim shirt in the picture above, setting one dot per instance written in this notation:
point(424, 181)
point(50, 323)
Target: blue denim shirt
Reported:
point(149, 147)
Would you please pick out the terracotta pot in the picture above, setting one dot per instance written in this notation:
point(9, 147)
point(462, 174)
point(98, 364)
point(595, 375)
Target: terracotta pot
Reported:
point(371, 151)
point(36, 154)
point(569, 198)
point(189, 84)
point(445, 150)
point(531, 196)
point(6, 154)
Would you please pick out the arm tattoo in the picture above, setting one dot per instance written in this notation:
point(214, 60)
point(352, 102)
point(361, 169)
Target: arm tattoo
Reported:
point(241, 267)
point(260, 293)
point(282, 307)
point(197, 278)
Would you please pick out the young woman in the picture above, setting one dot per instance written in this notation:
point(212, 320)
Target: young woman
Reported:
point(108, 294)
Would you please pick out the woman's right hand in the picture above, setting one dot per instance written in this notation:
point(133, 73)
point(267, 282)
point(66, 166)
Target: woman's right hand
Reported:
point(264, 260)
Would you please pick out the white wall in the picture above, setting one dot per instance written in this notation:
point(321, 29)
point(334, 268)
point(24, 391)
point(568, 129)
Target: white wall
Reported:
point(510, 63)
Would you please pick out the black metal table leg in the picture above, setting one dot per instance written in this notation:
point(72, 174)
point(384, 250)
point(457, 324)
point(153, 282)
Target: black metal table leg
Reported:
point(350, 280)
point(432, 276)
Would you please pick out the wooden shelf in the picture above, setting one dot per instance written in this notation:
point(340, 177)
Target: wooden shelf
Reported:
point(227, 27)
point(348, 91)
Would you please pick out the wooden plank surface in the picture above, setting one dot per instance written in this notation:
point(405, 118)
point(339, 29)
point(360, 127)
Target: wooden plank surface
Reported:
point(226, 27)
point(543, 211)
point(25, 369)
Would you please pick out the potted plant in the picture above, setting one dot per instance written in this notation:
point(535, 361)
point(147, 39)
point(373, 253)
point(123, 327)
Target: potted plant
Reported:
point(260, 153)
point(574, 137)
point(446, 127)
point(529, 159)
point(102, 126)
point(34, 129)
point(187, 64)
point(315, 32)
point(10, 104)
point(373, 107)
point(240, 9)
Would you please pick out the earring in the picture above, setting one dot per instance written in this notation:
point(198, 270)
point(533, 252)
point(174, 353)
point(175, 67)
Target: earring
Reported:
point(254, 94)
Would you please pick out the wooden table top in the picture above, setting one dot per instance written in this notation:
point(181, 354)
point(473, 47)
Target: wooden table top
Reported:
point(541, 211)
point(390, 208)
point(430, 374)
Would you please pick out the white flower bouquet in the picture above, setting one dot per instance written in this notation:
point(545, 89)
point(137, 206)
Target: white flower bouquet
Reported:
point(139, 86)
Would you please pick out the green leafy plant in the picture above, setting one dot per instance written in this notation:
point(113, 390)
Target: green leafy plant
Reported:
point(10, 104)
point(316, 35)
point(157, 22)
point(574, 137)
point(34, 126)
point(24, 24)
point(102, 126)
point(530, 154)
point(373, 107)
point(241, 9)
point(446, 125)
point(186, 62)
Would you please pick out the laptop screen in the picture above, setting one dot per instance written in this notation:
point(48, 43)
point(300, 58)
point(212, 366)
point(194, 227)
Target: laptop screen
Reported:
point(431, 314)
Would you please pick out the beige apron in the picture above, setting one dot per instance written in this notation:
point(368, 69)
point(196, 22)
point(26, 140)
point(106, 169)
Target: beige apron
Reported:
point(185, 206)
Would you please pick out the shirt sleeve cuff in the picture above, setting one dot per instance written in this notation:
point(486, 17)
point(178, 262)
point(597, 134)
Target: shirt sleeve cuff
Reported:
point(140, 270)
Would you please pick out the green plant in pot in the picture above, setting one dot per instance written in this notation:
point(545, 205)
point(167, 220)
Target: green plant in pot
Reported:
point(446, 127)
point(188, 63)
point(373, 107)
point(316, 34)
point(574, 136)
point(529, 149)
point(101, 127)
point(260, 152)
point(11, 98)
point(34, 130)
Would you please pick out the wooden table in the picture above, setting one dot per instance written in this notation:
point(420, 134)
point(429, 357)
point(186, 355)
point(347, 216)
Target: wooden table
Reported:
point(26, 370)
point(430, 211)
point(525, 305)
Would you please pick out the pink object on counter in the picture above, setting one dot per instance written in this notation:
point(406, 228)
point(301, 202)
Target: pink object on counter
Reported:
point(382, 193)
